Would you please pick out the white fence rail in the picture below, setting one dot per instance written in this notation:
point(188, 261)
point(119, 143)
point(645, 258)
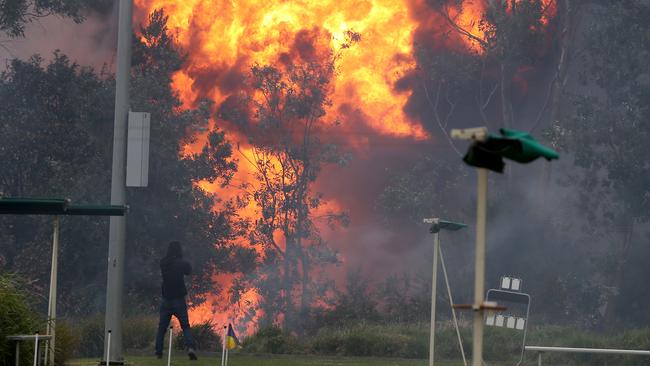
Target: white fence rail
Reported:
point(541, 350)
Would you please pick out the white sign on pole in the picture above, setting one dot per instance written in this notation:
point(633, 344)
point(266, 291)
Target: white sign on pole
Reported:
point(137, 150)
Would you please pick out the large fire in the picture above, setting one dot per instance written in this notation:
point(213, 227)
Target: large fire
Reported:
point(224, 38)
point(228, 36)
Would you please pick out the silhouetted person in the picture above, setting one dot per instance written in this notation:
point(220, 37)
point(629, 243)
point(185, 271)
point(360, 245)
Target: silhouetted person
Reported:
point(173, 268)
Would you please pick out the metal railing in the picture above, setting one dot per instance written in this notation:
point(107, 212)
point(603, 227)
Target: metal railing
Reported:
point(541, 350)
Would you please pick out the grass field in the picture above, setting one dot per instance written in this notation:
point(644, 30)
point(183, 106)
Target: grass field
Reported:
point(267, 360)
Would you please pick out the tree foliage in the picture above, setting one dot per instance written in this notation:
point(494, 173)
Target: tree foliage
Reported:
point(606, 132)
point(56, 136)
point(51, 133)
point(427, 188)
point(486, 80)
point(16, 317)
point(283, 114)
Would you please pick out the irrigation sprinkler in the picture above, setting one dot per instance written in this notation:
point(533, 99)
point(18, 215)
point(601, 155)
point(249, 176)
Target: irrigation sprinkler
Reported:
point(223, 346)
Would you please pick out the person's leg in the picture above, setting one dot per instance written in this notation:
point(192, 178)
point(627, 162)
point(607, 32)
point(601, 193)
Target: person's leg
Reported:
point(163, 325)
point(180, 311)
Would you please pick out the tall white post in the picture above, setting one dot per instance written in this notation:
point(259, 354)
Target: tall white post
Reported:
point(434, 282)
point(479, 267)
point(108, 348)
point(50, 346)
point(36, 349)
point(223, 346)
point(169, 354)
point(117, 231)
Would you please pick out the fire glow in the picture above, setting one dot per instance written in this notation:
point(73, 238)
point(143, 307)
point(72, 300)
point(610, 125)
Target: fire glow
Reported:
point(223, 38)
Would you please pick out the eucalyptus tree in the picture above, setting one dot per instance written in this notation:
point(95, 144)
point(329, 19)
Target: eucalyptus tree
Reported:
point(607, 132)
point(283, 115)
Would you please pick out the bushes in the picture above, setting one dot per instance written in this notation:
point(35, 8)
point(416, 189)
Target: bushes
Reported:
point(361, 340)
point(66, 343)
point(91, 337)
point(16, 317)
point(204, 335)
point(412, 341)
point(372, 340)
point(272, 340)
point(139, 332)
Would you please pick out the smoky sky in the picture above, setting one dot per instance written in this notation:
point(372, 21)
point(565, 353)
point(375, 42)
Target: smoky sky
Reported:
point(90, 43)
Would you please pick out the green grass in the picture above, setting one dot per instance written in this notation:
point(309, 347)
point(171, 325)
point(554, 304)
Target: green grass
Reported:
point(268, 360)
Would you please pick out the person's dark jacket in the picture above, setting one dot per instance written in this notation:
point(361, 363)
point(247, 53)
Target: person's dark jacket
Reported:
point(173, 268)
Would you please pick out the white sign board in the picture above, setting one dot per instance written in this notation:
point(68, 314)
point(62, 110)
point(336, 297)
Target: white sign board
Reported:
point(137, 150)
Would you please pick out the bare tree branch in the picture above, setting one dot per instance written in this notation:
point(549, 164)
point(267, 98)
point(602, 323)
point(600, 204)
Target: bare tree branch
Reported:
point(434, 108)
point(461, 30)
point(547, 98)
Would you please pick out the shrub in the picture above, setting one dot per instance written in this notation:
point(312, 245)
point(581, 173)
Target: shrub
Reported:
point(204, 335)
point(271, 340)
point(16, 317)
point(139, 332)
point(412, 341)
point(91, 337)
point(66, 343)
point(372, 340)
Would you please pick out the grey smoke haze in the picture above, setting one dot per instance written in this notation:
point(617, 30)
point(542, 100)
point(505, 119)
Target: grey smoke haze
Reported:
point(90, 43)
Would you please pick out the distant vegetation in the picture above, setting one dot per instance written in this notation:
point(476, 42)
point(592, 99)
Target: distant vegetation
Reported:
point(407, 341)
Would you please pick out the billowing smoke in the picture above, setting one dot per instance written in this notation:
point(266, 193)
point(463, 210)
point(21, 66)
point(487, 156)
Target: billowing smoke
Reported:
point(90, 43)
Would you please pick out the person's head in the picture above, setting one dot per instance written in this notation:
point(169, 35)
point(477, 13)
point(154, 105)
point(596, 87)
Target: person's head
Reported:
point(174, 250)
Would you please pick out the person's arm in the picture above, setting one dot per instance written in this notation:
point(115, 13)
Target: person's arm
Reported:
point(187, 268)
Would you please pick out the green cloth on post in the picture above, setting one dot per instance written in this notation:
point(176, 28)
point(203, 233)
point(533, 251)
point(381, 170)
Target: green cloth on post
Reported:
point(512, 144)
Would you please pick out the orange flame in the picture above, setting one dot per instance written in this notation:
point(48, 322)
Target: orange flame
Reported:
point(226, 35)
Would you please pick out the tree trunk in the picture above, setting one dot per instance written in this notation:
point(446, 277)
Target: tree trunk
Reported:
point(567, 31)
point(610, 318)
point(306, 295)
point(506, 83)
point(288, 284)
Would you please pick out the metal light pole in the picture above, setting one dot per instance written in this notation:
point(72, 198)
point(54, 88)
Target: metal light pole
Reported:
point(117, 233)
